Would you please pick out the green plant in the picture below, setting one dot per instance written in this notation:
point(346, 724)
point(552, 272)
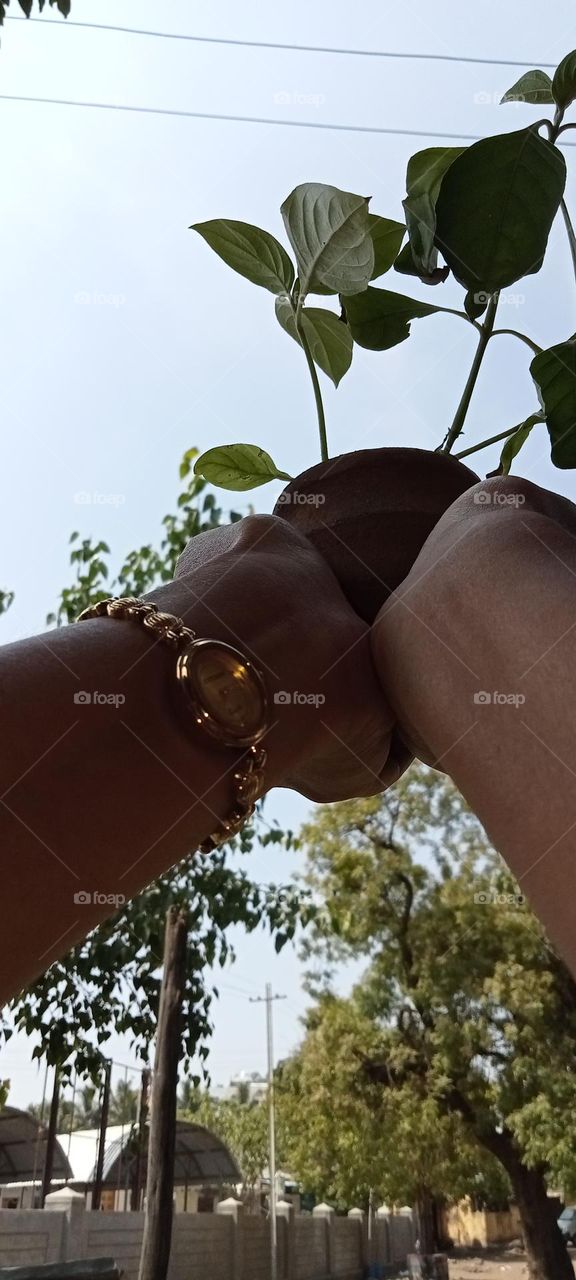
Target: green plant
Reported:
point(486, 209)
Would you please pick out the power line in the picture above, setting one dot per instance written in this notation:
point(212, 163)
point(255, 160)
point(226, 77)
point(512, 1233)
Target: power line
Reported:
point(268, 120)
point(290, 48)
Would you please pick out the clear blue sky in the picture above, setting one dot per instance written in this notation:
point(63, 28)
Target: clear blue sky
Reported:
point(103, 397)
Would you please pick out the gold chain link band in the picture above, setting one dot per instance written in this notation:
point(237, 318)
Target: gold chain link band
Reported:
point(248, 778)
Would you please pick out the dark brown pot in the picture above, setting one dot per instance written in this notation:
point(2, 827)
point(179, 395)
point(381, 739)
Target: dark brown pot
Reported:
point(369, 513)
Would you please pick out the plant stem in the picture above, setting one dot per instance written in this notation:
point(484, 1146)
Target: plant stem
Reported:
point(317, 392)
point(474, 448)
point(462, 410)
point(569, 232)
point(523, 338)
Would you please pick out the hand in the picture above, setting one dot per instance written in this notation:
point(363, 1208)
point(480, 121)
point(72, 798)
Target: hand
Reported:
point(262, 587)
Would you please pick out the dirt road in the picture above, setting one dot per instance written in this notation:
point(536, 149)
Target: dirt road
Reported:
point(503, 1266)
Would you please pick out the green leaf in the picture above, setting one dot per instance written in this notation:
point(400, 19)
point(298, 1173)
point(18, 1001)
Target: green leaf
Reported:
point(330, 234)
point(554, 372)
point(534, 87)
point(387, 237)
point(513, 444)
point(379, 319)
point(406, 266)
point(252, 252)
point(475, 304)
point(564, 81)
point(328, 337)
point(424, 177)
point(238, 466)
point(496, 206)
point(186, 465)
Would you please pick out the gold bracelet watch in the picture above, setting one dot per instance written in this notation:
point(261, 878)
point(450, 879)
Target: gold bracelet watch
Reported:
point(224, 695)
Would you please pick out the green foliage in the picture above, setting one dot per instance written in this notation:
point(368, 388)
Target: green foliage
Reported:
point(110, 983)
point(328, 336)
point(243, 1127)
point(330, 235)
point(534, 87)
point(554, 372)
point(387, 236)
point(514, 443)
point(63, 7)
point(461, 1034)
point(379, 319)
point(250, 251)
point(6, 599)
point(4, 1090)
point(424, 177)
point(496, 206)
point(564, 81)
point(238, 467)
point(487, 209)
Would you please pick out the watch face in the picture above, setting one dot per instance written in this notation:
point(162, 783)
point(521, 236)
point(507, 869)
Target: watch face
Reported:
point(226, 693)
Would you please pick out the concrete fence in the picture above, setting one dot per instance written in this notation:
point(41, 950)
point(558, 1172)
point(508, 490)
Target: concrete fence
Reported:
point(226, 1245)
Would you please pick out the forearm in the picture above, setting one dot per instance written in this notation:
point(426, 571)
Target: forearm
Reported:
point(492, 608)
point(101, 797)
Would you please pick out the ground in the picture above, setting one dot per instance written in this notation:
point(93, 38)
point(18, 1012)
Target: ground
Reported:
point(505, 1264)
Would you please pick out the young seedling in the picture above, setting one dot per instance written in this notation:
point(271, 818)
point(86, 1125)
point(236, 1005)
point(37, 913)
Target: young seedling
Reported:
point(486, 210)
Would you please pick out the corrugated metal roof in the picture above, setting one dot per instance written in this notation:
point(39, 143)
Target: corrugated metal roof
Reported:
point(200, 1157)
point(23, 1148)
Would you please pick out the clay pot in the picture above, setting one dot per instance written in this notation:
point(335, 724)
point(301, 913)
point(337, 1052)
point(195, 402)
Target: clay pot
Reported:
point(369, 513)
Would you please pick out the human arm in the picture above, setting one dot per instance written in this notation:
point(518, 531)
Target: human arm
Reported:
point(490, 607)
point(103, 797)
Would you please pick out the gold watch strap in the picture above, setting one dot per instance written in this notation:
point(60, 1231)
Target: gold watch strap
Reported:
point(248, 777)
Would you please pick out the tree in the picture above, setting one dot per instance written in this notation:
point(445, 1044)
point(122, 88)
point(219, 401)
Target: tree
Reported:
point(243, 1127)
point(467, 1015)
point(110, 982)
point(123, 1103)
point(63, 7)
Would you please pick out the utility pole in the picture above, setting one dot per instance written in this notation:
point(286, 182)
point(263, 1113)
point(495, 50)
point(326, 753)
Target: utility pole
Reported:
point(267, 1000)
point(51, 1138)
point(104, 1111)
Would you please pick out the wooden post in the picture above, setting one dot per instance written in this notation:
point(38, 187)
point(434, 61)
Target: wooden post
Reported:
point(157, 1239)
point(97, 1189)
point(51, 1138)
point(141, 1141)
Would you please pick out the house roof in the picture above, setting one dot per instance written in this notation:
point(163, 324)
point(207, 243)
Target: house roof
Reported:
point(200, 1157)
point(23, 1148)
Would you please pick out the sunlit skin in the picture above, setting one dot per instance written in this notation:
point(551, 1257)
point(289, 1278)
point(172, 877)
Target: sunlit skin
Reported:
point(106, 797)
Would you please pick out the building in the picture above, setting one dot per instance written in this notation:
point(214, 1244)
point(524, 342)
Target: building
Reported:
point(203, 1165)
